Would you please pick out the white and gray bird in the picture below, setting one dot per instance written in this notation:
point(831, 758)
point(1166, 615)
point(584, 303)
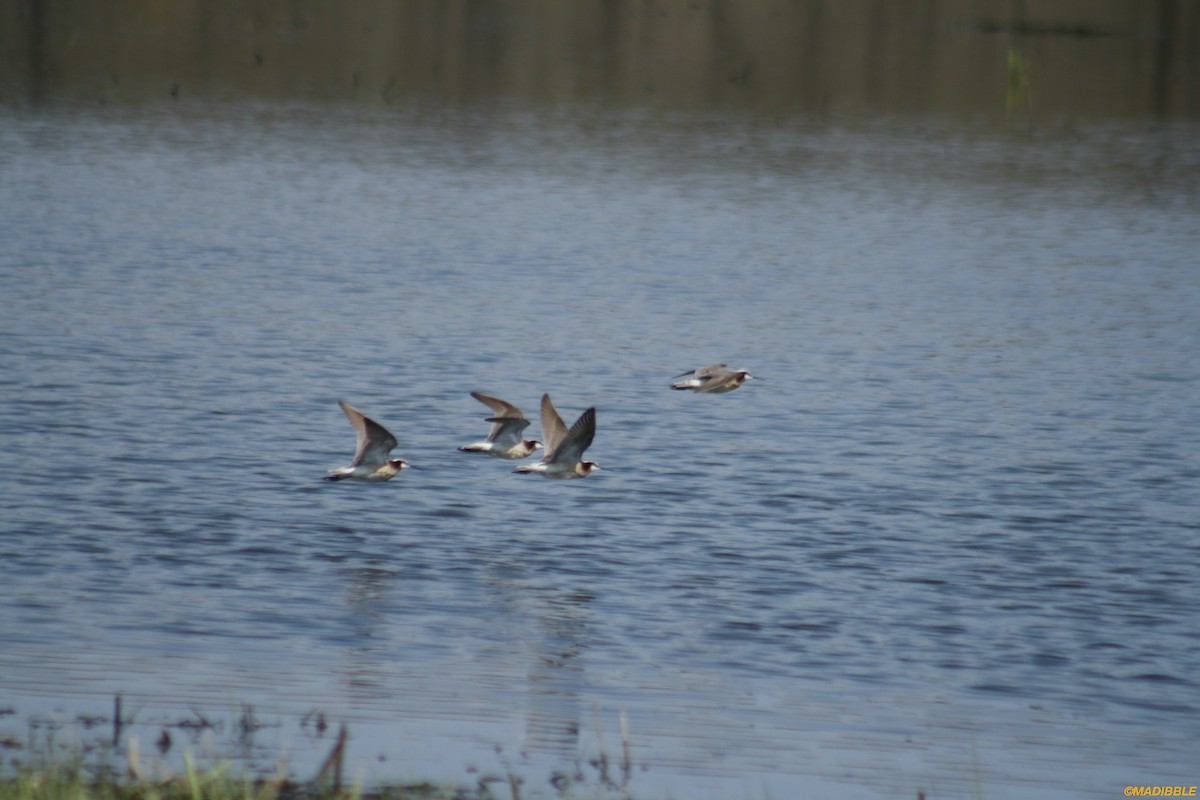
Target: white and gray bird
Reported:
point(564, 448)
point(714, 379)
point(505, 439)
point(375, 442)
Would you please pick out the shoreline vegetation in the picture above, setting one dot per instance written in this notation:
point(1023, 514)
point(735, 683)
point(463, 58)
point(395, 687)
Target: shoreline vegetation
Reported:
point(98, 758)
point(1098, 59)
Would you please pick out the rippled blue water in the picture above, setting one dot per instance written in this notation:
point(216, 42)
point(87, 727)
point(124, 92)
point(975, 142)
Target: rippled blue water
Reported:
point(947, 542)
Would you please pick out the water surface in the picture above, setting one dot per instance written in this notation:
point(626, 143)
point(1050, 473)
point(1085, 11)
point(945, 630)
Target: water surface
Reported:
point(947, 542)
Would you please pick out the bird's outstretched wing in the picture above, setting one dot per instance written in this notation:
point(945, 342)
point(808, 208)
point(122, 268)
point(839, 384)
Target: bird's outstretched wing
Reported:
point(375, 442)
point(704, 372)
point(507, 420)
point(579, 438)
point(554, 430)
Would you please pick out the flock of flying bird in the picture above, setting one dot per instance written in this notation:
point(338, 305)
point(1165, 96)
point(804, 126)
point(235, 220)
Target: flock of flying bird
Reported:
point(563, 447)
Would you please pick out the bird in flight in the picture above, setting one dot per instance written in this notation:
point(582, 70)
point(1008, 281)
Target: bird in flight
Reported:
point(375, 442)
point(564, 448)
point(715, 379)
point(505, 439)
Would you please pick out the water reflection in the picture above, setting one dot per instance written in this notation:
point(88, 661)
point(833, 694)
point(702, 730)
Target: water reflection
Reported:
point(536, 659)
point(553, 634)
point(367, 672)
